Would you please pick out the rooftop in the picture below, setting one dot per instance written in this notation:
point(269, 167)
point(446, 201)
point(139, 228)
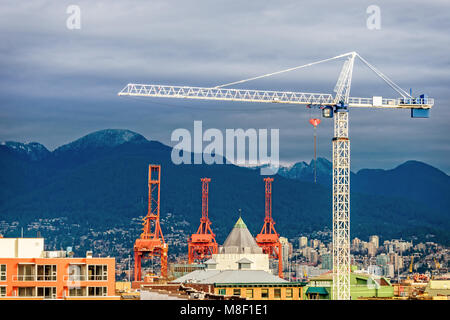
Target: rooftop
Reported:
point(230, 277)
point(240, 240)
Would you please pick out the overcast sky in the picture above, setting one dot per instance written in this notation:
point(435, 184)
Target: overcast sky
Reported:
point(57, 84)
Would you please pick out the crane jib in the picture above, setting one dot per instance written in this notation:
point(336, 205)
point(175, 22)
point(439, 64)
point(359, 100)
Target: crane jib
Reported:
point(266, 96)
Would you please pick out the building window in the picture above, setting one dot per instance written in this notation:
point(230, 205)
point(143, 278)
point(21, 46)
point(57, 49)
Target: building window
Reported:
point(46, 292)
point(2, 291)
point(277, 293)
point(26, 272)
point(46, 272)
point(77, 292)
point(264, 293)
point(249, 293)
point(97, 291)
point(223, 291)
point(26, 292)
point(289, 293)
point(236, 292)
point(2, 272)
point(98, 272)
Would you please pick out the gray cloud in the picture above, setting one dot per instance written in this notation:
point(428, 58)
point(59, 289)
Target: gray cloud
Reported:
point(58, 84)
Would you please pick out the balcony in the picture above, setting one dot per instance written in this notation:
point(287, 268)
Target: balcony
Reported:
point(24, 277)
point(33, 277)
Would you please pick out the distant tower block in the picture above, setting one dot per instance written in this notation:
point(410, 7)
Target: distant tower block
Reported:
point(202, 244)
point(268, 239)
point(151, 242)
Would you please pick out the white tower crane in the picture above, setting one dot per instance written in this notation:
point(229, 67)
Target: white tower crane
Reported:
point(337, 107)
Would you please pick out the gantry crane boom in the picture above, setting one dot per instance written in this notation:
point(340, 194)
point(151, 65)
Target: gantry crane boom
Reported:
point(337, 105)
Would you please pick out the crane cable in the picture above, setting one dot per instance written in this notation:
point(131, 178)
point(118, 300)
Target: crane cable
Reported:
point(285, 70)
point(391, 83)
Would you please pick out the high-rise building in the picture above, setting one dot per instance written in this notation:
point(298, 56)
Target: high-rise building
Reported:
point(327, 261)
point(375, 240)
point(356, 244)
point(303, 242)
point(314, 257)
point(388, 270)
point(396, 260)
point(286, 248)
point(382, 259)
point(371, 250)
point(315, 243)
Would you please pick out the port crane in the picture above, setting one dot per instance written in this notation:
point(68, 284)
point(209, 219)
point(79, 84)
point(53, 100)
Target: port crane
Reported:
point(151, 241)
point(202, 244)
point(268, 239)
point(333, 106)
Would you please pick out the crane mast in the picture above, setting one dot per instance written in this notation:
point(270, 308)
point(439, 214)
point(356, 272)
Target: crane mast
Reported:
point(336, 107)
point(341, 185)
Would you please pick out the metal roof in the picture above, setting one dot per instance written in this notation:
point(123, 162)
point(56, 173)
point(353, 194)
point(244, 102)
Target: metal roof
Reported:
point(229, 277)
point(196, 276)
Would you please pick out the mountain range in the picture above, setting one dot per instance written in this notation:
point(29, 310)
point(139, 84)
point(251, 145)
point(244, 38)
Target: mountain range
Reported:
point(101, 179)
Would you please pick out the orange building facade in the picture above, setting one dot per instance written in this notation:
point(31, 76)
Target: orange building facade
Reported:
point(35, 278)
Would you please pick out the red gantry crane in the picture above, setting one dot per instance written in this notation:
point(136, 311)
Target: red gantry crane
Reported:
point(335, 106)
point(151, 242)
point(202, 244)
point(268, 239)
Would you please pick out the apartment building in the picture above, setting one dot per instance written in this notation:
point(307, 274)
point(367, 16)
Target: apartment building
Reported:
point(29, 272)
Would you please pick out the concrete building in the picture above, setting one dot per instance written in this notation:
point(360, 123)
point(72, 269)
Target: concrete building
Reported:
point(396, 260)
point(371, 249)
point(286, 249)
point(375, 240)
point(303, 242)
point(327, 261)
point(388, 271)
point(356, 244)
point(382, 259)
point(29, 272)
